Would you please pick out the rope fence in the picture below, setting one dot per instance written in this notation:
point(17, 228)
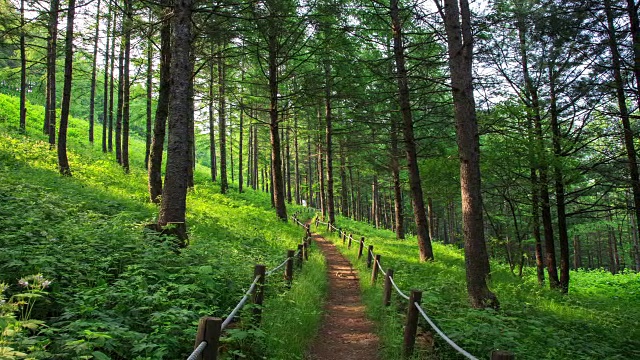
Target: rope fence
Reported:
point(210, 328)
point(415, 309)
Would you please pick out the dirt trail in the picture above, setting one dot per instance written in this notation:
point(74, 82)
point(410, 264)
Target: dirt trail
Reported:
point(345, 332)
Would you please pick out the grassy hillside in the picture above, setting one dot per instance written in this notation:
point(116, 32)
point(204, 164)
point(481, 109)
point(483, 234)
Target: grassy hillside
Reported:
point(597, 320)
point(118, 291)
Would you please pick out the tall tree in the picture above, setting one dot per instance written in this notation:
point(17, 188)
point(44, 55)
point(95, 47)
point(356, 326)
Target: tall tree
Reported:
point(174, 194)
point(23, 72)
point(94, 59)
point(126, 84)
point(105, 102)
point(63, 161)
point(457, 21)
point(52, 49)
point(417, 197)
point(162, 109)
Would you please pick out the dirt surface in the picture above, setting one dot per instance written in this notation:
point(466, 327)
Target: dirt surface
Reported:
point(345, 332)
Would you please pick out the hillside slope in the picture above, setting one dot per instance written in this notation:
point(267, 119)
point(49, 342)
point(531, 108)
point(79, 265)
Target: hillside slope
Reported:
point(118, 291)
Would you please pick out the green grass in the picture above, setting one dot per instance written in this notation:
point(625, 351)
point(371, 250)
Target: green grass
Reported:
point(119, 291)
point(596, 320)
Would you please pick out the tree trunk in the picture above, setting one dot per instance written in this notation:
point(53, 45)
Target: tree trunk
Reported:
point(344, 207)
point(624, 112)
point(329, 144)
point(23, 72)
point(460, 45)
point(614, 259)
point(563, 235)
point(222, 122)
point(63, 161)
point(119, 106)
point(92, 97)
point(276, 167)
point(52, 51)
point(375, 202)
point(535, 192)
point(310, 167)
point(191, 140)
point(162, 108)
point(288, 162)
point(212, 133)
point(174, 194)
point(297, 160)
point(322, 198)
point(634, 27)
point(111, 81)
point(241, 132)
point(255, 157)
point(105, 89)
point(126, 86)
point(149, 97)
point(417, 198)
point(397, 187)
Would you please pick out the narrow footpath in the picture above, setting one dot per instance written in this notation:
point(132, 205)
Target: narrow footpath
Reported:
point(345, 333)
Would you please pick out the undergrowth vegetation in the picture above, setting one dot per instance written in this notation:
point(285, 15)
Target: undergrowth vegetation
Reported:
point(116, 290)
point(596, 320)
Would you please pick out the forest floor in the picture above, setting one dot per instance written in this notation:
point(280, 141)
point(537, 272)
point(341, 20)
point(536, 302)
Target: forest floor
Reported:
point(345, 333)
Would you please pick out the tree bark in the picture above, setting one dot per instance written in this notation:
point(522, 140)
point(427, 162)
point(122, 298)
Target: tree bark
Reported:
point(23, 72)
point(624, 112)
point(92, 96)
point(397, 186)
point(105, 102)
point(296, 159)
point(634, 28)
point(344, 190)
point(126, 86)
point(276, 162)
point(222, 122)
point(148, 132)
point(212, 132)
point(288, 161)
point(52, 50)
point(417, 197)
point(119, 106)
point(563, 235)
point(577, 253)
point(162, 108)
point(460, 45)
point(241, 132)
point(63, 161)
point(111, 81)
point(329, 144)
point(174, 194)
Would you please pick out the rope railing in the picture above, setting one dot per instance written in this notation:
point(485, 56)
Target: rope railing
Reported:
point(443, 335)
point(414, 298)
point(241, 303)
point(210, 328)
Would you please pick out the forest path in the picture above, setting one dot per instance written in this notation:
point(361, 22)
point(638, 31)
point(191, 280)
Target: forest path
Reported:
point(345, 333)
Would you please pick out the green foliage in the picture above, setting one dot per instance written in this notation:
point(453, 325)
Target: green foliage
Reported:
point(596, 320)
point(118, 290)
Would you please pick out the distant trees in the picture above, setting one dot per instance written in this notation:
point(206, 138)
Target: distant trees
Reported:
point(318, 104)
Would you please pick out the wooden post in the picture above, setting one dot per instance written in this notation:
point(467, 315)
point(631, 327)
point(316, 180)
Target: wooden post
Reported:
point(369, 256)
point(308, 228)
point(288, 272)
point(209, 329)
point(350, 238)
point(344, 237)
point(502, 355)
point(306, 251)
point(316, 222)
point(328, 226)
point(386, 297)
point(300, 255)
point(361, 247)
point(411, 327)
point(374, 272)
point(258, 295)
